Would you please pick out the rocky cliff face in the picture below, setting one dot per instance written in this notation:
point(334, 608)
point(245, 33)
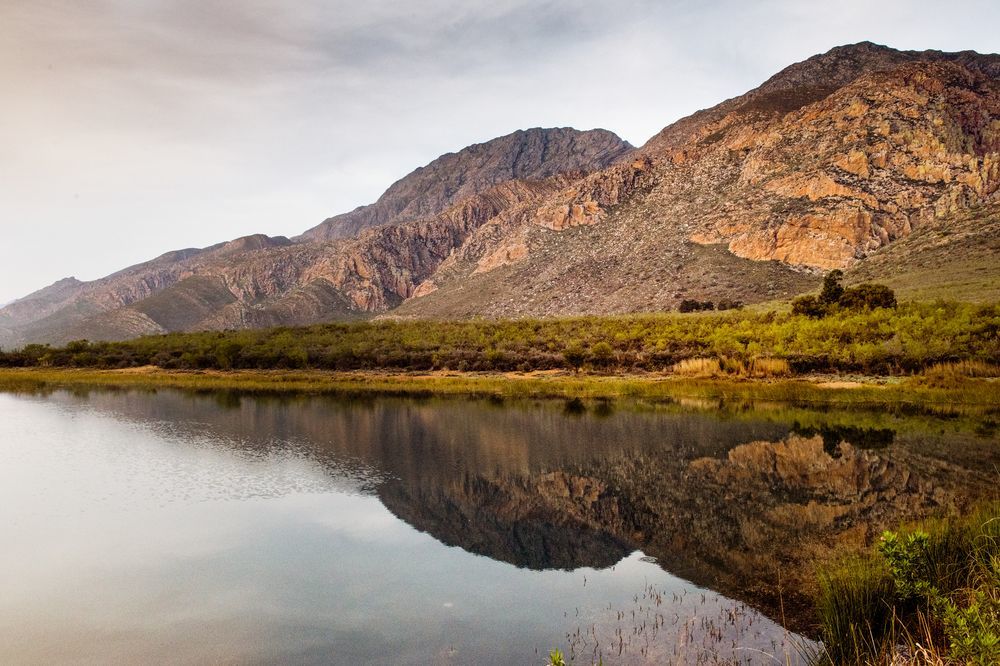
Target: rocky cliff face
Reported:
point(835, 181)
point(822, 167)
point(830, 163)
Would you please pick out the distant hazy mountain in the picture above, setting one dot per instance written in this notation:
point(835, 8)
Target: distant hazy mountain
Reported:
point(882, 162)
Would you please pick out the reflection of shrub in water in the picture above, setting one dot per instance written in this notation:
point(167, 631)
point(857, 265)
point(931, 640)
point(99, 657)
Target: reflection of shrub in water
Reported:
point(227, 399)
point(987, 428)
point(863, 438)
point(603, 409)
point(600, 409)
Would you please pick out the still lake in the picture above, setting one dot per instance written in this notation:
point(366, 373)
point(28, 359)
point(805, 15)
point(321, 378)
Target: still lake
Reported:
point(143, 527)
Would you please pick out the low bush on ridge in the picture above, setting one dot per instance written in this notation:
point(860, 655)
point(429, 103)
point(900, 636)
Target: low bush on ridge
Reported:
point(834, 297)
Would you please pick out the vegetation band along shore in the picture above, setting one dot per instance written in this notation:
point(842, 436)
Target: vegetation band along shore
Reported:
point(960, 396)
point(909, 338)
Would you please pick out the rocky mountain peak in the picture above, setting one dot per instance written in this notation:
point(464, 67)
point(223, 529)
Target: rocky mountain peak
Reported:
point(804, 174)
point(532, 154)
point(842, 65)
point(251, 243)
point(53, 291)
point(810, 81)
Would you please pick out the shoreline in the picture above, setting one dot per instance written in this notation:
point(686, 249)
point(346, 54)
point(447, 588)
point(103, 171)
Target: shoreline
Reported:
point(807, 389)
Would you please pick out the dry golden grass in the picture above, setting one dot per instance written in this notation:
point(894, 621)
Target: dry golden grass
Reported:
point(957, 373)
point(757, 368)
point(964, 369)
point(769, 367)
point(699, 367)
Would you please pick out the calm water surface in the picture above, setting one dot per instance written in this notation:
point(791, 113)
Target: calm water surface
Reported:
point(149, 527)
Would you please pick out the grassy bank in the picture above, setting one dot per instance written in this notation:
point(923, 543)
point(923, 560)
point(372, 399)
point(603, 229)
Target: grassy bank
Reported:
point(887, 341)
point(927, 594)
point(565, 385)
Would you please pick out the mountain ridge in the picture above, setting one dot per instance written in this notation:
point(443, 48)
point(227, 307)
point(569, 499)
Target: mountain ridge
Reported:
point(825, 164)
point(295, 276)
point(735, 190)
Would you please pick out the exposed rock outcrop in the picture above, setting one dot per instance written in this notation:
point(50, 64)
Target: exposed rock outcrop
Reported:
point(828, 163)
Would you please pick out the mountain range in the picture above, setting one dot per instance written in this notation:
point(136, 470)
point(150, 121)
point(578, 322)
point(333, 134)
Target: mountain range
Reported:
point(880, 162)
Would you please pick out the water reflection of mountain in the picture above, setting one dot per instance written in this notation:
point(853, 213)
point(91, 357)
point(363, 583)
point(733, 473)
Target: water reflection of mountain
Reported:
point(732, 503)
point(509, 519)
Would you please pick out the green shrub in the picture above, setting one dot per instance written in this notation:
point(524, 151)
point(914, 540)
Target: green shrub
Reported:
point(574, 356)
point(974, 631)
point(908, 562)
point(941, 581)
point(691, 305)
point(867, 296)
point(602, 354)
point(833, 296)
point(809, 306)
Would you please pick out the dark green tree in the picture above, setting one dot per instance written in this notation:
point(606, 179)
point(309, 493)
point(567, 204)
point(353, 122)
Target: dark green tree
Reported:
point(574, 355)
point(832, 289)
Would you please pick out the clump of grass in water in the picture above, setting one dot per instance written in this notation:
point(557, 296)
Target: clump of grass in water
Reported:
point(686, 626)
point(852, 609)
point(556, 658)
point(927, 595)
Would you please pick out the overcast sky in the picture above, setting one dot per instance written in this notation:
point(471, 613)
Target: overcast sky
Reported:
point(133, 127)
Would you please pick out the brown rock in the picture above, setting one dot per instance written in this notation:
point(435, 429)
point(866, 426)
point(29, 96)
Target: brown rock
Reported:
point(856, 162)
